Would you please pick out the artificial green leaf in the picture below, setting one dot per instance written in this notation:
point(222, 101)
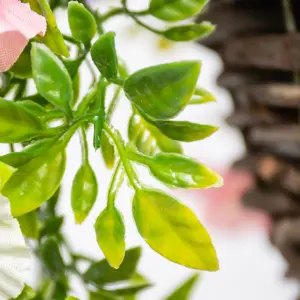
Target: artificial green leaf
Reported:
point(101, 272)
point(185, 131)
point(53, 37)
point(5, 81)
point(73, 65)
point(184, 291)
point(51, 77)
point(51, 226)
point(71, 298)
point(103, 295)
point(33, 107)
point(52, 258)
point(110, 232)
point(82, 23)
point(104, 55)
point(29, 225)
point(76, 88)
point(148, 139)
point(84, 192)
point(36, 181)
point(22, 67)
point(202, 96)
point(108, 151)
point(173, 230)
point(180, 171)
point(162, 91)
point(17, 124)
point(176, 10)
point(6, 172)
point(27, 294)
point(189, 32)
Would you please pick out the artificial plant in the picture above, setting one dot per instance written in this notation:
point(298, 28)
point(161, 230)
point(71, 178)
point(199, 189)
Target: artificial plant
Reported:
point(44, 122)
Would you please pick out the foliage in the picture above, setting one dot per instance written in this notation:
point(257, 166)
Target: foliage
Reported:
point(157, 94)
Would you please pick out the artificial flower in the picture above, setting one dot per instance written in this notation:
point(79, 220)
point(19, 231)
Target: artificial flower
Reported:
point(14, 254)
point(18, 24)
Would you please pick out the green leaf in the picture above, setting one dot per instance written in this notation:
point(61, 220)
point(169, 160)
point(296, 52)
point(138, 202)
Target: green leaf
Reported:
point(73, 65)
point(162, 91)
point(185, 131)
point(148, 139)
point(27, 294)
point(184, 291)
point(82, 23)
point(202, 96)
point(22, 67)
point(176, 10)
point(29, 225)
point(71, 298)
point(6, 172)
point(108, 151)
point(180, 171)
point(104, 55)
point(51, 77)
point(189, 32)
point(36, 181)
point(173, 230)
point(17, 124)
point(53, 37)
point(76, 88)
point(110, 232)
point(51, 256)
point(51, 226)
point(33, 107)
point(101, 272)
point(84, 192)
point(103, 295)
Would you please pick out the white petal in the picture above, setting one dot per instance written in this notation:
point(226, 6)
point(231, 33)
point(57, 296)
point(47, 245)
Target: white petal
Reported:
point(14, 254)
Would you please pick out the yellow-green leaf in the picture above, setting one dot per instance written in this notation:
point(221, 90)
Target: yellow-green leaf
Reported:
point(6, 172)
point(29, 225)
point(110, 232)
point(173, 230)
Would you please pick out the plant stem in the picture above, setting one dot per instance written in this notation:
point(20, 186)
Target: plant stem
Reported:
point(156, 31)
point(84, 146)
point(118, 141)
point(113, 104)
point(115, 184)
point(138, 157)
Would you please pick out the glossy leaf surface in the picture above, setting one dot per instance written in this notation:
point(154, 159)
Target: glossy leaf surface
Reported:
point(185, 131)
point(162, 91)
point(101, 272)
point(173, 230)
point(82, 23)
point(108, 151)
point(176, 10)
point(51, 77)
point(104, 55)
point(189, 32)
point(17, 124)
point(84, 192)
point(148, 139)
point(110, 232)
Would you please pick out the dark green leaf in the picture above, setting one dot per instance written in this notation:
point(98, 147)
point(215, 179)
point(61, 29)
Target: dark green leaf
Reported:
point(29, 225)
point(185, 131)
point(173, 230)
point(180, 171)
point(51, 226)
point(101, 273)
point(184, 291)
point(52, 258)
point(84, 192)
point(110, 232)
point(17, 124)
point(103, 295)
point(36, 181)
point(82, 23)
point(51, 77)
point(189, 32)
point(176, 10)
point(104, 55)
point(148, 139)
point(22, 67)
point(108, 151)
point(162, 91)
point(73, 65)
point(76, 88)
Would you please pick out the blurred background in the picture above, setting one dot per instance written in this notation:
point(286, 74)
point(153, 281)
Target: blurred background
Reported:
point(250, 267)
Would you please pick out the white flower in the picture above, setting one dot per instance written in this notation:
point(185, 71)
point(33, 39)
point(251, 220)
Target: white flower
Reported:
point(14, 254)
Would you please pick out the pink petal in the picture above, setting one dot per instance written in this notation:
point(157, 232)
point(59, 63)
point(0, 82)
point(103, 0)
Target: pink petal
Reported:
point(18, 24)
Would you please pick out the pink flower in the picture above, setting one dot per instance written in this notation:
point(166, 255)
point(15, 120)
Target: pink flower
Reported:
point(18, 24)
point(223, 208)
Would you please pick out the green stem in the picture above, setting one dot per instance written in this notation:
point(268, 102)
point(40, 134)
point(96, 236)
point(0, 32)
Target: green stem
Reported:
point(156, 31)
point(121, 11)
point(138, 157)
point(113, 104)
point(84, 146)
point(117, 139)
point(115, 184)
